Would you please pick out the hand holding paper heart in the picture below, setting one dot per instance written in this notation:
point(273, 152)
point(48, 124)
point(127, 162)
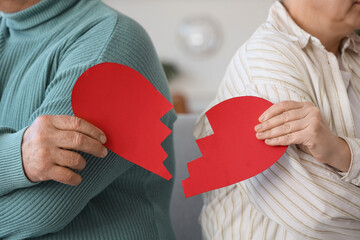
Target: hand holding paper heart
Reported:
point(233, 153)
point(127, 108)
point(301, 123)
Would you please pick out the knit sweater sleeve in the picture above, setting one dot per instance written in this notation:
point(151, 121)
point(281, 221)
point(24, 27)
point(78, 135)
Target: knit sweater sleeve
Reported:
point(50, 206)
point(11, 170)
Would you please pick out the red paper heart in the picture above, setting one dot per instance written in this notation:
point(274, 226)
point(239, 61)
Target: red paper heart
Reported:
point(233, 153)
point(127, 107)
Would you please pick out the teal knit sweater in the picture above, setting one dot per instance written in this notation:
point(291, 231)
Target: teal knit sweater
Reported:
point(43, 51)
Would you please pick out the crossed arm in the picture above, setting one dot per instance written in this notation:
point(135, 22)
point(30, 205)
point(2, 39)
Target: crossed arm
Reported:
point(299, 192)
point(43, 151)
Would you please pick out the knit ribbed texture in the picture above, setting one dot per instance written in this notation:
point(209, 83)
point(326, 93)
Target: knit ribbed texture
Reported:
point(44, 49)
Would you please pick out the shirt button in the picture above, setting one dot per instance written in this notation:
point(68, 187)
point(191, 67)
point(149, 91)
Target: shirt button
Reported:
point(355, 181)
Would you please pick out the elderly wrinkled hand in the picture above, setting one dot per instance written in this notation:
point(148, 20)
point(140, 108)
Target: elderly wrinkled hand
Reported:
point(48, 143)
point(301, 123)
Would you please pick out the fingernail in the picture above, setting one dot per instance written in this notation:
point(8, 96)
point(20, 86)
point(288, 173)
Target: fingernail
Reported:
point(258, 127)
point(268, 141)
point(261, 118)
point(105, 152)
point(102, 139)
point(259, 135)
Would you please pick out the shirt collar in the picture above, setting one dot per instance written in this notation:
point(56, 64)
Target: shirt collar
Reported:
point(37, 14)
point(282, 21)
point(351, 42)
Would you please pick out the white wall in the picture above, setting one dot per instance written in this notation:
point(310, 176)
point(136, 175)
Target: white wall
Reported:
point(200, 78)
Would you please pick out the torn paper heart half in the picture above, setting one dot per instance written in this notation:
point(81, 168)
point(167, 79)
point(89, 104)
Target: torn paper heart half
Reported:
point(127, 108)
point(233, 153)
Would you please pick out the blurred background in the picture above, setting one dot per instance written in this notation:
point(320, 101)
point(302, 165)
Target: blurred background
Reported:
point(195, 40)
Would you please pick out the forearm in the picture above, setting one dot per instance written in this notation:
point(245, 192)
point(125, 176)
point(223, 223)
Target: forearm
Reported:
point(352, 174)
point(12, 176)
point(339, 156)
point(50, 206)
point(307, 199)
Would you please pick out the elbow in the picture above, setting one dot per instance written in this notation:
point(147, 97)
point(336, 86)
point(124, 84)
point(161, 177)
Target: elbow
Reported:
point(55, 216)
point(42, 213)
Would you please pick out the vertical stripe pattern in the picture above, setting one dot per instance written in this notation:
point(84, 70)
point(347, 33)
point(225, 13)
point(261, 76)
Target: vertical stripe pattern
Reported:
point(298, 197)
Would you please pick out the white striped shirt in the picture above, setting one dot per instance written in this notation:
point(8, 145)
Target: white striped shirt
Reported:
point(298, 197)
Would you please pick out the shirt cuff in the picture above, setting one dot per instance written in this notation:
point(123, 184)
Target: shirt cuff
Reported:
point(353, 174)
point(12, 175)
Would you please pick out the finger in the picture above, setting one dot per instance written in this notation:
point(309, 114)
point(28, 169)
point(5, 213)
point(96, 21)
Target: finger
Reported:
point(282, 118)
point(64, 175)
point(288, 139)
point(70, 159)
point(284, 129)
point(80, 142)
point(279, 108)
point(70, 123)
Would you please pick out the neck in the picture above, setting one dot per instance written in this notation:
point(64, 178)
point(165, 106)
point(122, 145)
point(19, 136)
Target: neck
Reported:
point(329, 34)
point(12, 6)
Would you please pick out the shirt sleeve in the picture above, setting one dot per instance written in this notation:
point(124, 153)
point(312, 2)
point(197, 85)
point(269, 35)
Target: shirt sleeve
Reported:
point(353, 174)
point(307, 198)
point(11, 170)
